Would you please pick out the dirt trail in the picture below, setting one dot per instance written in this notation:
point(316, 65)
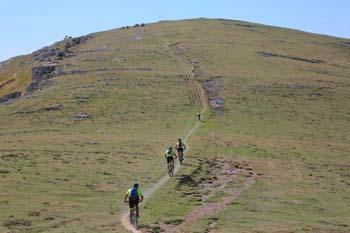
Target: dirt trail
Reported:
point(197, 99)
point(226, 170)
point(226, 173)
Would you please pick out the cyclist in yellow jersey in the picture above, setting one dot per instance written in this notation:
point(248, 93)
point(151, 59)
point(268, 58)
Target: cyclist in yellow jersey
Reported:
point(180, 146)
point(134, 195)
point(170, 155)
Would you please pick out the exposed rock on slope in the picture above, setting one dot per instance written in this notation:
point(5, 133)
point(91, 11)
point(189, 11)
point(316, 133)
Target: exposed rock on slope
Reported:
point(41, 73)
point(213, 87)
point(12, 95)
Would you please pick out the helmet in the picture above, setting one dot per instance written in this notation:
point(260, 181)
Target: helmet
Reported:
point(136, 185)
point(179, 139)
point(170, 148)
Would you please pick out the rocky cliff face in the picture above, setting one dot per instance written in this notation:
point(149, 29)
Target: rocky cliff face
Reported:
point(41, 73)
point(56, 53)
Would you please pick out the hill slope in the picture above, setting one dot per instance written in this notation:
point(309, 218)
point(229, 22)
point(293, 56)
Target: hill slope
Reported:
point(98, 112)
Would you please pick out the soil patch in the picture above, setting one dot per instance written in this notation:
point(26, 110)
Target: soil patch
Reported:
point(16, 222)
point(216, 190)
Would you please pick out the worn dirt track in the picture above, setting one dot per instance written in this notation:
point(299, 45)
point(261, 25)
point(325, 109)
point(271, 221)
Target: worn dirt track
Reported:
point(226, 172)
point(230, 169)
point(197, 100)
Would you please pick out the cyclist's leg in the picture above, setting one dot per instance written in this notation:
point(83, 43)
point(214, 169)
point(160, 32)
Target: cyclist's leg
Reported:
point(172, 163)
point(137, 200)
point(168, 164)
point(131, 204)
point(137, 210)
point(131, 207)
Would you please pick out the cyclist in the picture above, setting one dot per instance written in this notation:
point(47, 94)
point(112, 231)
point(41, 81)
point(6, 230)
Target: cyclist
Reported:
point(199, 115)
point(180, 147)
point(170, 155)
point(134, 195)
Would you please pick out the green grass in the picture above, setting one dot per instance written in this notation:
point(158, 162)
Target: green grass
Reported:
point(15, 74)
point(289, 118)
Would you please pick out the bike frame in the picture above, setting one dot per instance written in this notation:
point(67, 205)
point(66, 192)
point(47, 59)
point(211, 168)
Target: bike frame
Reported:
point(171, 168)
point(181, 156)
point(133, 217)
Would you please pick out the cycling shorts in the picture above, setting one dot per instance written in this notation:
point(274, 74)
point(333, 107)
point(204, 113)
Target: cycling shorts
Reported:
point(133, 201)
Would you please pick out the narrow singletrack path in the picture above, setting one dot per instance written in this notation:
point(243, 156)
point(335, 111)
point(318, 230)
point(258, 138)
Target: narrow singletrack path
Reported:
point(197, 100)
point(227, 172)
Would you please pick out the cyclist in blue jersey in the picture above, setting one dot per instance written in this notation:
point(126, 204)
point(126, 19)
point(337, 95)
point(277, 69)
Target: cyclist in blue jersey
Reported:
point(134, 195)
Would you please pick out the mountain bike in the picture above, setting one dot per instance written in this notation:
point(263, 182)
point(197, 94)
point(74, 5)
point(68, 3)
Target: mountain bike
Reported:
point(133, 217)
point(181, 156)
point(171, 168)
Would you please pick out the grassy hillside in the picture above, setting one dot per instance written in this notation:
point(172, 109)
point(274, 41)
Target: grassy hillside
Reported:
point(15, 74)
point(70, 149)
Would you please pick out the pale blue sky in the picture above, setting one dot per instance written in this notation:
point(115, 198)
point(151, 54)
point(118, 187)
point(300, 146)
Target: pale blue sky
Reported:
point(27, 25)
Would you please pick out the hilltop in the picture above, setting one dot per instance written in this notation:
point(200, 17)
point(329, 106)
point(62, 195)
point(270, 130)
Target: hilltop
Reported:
point(84, 118)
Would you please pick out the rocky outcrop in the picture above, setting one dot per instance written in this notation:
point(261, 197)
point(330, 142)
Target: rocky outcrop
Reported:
point(48, 54)
point(310, 60)
point(71, 42)
point(44, 109)
point(213, 88)
point(82, 116)
point(12, 95)
point(135, 26)
point(41, 73)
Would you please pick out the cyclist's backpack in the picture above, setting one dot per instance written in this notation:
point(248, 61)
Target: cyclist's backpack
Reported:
point(134, 193)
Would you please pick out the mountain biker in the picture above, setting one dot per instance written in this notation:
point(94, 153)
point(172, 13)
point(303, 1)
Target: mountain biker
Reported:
point(170, 155)
point(180, 146)
point(199, 115)
point(134, 195)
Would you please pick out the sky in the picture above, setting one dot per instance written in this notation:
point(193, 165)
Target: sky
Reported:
point(27, 25)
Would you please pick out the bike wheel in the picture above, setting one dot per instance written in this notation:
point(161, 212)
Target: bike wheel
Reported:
point(181, 157)
point(171, 168)
point(133, 219)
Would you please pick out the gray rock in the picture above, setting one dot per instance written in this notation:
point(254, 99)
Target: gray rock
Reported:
point(10, 96)
point(82, 116)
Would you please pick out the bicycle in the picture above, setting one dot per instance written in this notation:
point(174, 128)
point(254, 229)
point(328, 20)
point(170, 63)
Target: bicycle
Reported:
point(133, 218)
point(181, 156)
point(171, 168)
